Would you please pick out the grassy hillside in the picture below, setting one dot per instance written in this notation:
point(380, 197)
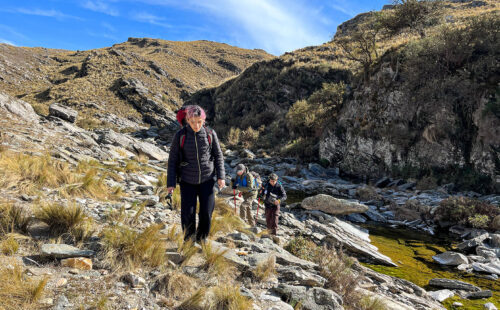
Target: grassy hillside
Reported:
point(91, 81)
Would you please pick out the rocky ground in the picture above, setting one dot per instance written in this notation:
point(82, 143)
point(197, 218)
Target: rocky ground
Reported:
point(82, 273)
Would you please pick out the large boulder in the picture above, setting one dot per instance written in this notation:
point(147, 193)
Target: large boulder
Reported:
point(332, 205)
point(451, 258)
point(63, 112)
point(17, 107)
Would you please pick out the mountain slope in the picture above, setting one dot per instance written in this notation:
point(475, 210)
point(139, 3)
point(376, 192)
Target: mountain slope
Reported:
point(132, 79)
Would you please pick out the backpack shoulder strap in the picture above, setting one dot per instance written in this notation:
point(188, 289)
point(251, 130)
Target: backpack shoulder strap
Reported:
point(182, 138)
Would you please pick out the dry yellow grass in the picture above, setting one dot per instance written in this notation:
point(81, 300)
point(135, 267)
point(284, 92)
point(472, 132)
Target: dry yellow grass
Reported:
point(17, 291)
point(9, 245)
point(228, 296)
point(126, 248)
point(266, 269)
point(13, 218)
point(29, 173)
point(215, 262)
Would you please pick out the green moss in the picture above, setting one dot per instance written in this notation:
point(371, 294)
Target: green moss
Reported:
point(412, 251)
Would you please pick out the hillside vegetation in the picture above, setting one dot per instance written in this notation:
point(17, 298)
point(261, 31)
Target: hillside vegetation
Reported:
point(411, 90)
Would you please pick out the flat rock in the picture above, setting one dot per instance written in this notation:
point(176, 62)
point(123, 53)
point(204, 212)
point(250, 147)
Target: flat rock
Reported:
point(18, 107)
point(301, 277)
point(472, 243)
point(63, 112)
point(479, 295)
point(453, 284)
point(441, 295)
point(332, 205)
point(490, 306)
point(64, 251)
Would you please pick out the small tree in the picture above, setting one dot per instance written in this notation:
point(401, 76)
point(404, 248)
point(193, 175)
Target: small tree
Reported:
point(361, 46)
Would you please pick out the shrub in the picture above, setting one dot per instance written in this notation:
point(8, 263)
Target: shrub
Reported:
point(233, 137)
point(366, 193)
point(175, 285)
point(466, 211)
point(413, 15)
point(302, 248)
point(60, 218)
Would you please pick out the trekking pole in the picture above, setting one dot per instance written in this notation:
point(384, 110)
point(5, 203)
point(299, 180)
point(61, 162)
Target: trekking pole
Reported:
point(257, 215)
point(234, 195)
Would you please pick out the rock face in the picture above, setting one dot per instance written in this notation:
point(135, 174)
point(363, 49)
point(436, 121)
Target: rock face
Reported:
point(331, 205)
point(63, 112)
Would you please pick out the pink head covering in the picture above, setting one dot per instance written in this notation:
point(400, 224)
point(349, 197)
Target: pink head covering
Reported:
point(195, 111)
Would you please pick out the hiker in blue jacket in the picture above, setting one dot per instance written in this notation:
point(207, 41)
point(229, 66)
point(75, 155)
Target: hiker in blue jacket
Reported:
point(196, 162)
point(244, 181)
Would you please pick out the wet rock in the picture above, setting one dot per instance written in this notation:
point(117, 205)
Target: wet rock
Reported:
point(63, 112)
point(451, 258)
point(488, 252)
point(331, 205)
point(453, 284)
point(383, 182)
point(311, 298)
point(472, 243)
point(356, 218)
point(479, 294)
point(64, 251)
point(492, 267)
point(441, 295)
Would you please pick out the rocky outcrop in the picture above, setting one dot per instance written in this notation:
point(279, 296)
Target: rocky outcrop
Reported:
point(63, 112)
point(17, 108)
point(331, 205)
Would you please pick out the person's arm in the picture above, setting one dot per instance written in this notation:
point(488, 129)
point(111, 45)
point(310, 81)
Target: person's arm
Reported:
point(218, 159)
point(282, 194)
point(173, 161)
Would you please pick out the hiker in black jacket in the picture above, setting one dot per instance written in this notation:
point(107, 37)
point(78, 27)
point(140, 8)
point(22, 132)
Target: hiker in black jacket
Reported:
point(196, 161)
point(274, 195)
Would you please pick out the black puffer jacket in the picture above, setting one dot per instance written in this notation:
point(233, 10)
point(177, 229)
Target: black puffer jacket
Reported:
point(199, 168)
point(277, 190)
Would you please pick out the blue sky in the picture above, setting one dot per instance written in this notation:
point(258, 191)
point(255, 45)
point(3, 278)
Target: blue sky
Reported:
point(276, 26)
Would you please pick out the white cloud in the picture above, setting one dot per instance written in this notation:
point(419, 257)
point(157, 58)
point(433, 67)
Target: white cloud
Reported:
point(108, 26)
point(13, 32)
point(7, 42)
point(46, 13)
point(145, 17)
point(99, 6)
point(276, 26)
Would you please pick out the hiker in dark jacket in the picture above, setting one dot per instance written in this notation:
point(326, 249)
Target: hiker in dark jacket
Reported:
point(274, 195)
point(199, 162)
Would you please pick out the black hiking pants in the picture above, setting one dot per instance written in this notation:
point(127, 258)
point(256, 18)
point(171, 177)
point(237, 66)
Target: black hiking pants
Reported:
point(190, 193)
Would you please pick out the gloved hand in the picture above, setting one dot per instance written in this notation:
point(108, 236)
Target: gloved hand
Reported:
point(235, 186)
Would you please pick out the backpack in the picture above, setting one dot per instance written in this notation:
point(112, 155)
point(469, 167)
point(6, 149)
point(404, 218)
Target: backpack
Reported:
point(257, 181)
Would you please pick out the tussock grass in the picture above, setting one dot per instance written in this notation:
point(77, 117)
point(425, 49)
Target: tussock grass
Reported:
point(9, 245)
point(187, 248)
point(335, 267)
point(63, 219)
point(228, 297)
point(17, 291)
point(175, 285)
point(215, 262)
point(194, 302)
point(266, 269)
point(224, 220)
point(29, 173)
point(13, 218)
point(127, 248)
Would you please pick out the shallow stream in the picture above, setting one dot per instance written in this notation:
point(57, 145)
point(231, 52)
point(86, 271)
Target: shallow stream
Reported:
point(412, 251)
